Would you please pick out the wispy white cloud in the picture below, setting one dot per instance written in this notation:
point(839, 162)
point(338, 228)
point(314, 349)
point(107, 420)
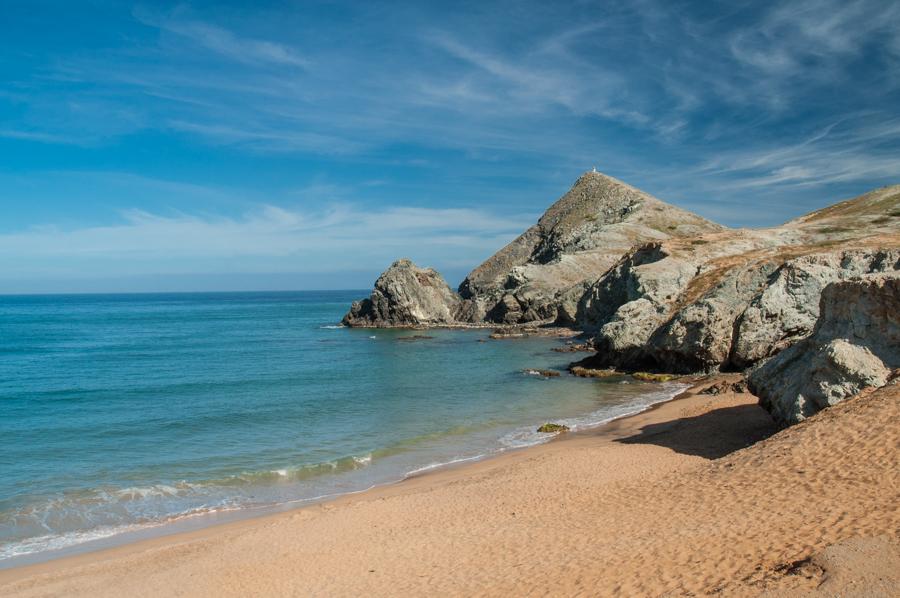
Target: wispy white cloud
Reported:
point(224, 42)
point(549, 76)
point(262, 137)
point(267, 238)
point(818, 43)
point(38, 136)
point(729, 103)
point(858, 147)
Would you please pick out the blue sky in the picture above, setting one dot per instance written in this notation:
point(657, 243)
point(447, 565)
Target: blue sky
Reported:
point(201, 146)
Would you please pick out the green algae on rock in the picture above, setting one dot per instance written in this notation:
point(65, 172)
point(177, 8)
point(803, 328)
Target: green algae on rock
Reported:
point(553, 428)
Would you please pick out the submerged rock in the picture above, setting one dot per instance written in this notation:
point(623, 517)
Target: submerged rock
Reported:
point(583, 372)
point(553, 428)
point(406, 296)
point(651, 377)
point(855, 345)
point(543, 373)
point(512, 332)
point(413, 338)
point(575, 348)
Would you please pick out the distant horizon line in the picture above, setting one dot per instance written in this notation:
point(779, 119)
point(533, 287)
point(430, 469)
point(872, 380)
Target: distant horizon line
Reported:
point(220, 292)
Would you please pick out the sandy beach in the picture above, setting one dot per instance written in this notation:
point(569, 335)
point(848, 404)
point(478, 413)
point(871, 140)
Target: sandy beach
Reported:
point(700, 495)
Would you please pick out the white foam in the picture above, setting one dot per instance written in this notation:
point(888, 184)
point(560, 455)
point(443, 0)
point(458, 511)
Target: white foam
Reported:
point(364, 460)
point(439, 464)
point(51, 542)
point(60, 541)
point(524, 437)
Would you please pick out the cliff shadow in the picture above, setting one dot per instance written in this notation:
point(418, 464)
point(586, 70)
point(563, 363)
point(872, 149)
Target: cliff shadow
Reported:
point(710, 435)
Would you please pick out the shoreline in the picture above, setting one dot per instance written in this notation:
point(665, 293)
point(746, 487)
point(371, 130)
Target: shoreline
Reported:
point(190, 525)
point(199, 522)
point(699, 494)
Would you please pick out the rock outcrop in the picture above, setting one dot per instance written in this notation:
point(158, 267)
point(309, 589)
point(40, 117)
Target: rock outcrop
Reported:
point(787, 308)
point(663, 290)
point(541, 275)
point(855, 345)
point(404, 296)
point(727, 300)
point(657, 287)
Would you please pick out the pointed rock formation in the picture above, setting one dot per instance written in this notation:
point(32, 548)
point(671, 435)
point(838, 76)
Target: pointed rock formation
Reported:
point(405, 296)
point(546, 269)
point(543, 273)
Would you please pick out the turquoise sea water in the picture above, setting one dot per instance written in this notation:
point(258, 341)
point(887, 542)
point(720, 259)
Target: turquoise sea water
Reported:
point(119, 412)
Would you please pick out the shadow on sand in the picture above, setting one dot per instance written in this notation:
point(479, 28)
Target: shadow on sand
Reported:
point(711, 435)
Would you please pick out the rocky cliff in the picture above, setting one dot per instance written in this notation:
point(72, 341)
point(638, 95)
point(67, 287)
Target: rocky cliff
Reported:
point(658, 288)
point(855, 345)
point(728, 299)
point(669, 311)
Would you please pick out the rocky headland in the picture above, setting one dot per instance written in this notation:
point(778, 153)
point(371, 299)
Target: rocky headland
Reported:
point(808, 308)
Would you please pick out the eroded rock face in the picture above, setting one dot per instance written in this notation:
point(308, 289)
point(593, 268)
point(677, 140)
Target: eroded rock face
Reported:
point(631, 301)
point(683, 312)
point(406, 295)
point(855, 345)
point(787, 309)
point(698, 337)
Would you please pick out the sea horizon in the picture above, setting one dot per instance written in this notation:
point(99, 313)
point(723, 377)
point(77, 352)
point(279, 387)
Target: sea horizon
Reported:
point(362, 292)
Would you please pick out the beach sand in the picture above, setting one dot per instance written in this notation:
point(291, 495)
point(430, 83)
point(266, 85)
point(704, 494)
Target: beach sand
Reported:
point(700, 495)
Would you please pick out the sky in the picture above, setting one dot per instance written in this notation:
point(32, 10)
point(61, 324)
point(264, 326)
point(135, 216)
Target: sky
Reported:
point(306, 145)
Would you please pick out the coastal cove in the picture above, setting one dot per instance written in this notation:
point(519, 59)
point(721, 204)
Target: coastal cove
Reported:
point(616, 493)
point(422, 299)
point(153, 414)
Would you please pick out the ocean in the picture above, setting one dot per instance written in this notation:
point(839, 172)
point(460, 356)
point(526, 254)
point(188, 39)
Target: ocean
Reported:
point(121, 413)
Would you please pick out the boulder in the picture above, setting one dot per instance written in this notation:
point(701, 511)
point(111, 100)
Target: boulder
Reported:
point(725, 386)
point(855, 345)
point(631, 301)
point(553, 428)
point(698, 337)
point(542, 373)
point(406, 296)
point(583, 372)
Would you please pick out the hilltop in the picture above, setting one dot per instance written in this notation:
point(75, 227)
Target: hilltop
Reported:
point(579, 237)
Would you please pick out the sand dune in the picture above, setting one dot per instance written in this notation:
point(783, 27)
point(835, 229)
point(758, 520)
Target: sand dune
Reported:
point(667, 503)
